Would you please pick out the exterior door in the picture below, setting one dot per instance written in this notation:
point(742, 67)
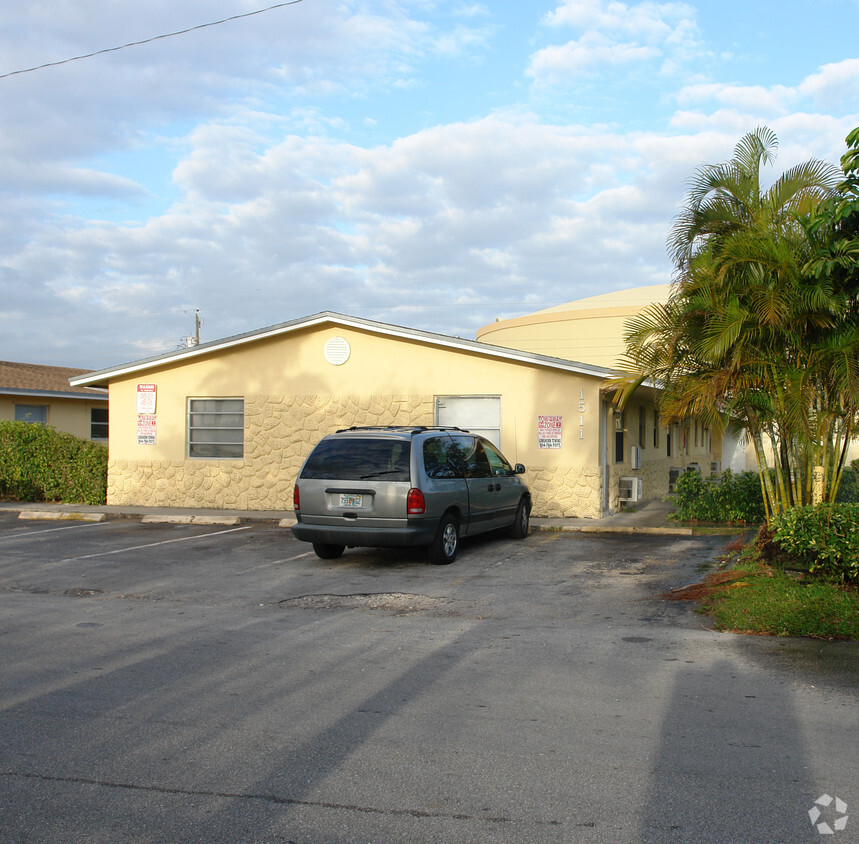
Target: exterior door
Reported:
point(478, 414)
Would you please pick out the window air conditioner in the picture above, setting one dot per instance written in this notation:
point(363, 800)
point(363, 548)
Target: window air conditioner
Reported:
point(630, 490)
point(715, 467)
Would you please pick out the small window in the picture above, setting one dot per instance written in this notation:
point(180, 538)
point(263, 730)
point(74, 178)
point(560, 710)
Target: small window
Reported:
point(655, 428)
point(98, 423)
point(216, 428)
point(36, 413)
point(641, 440)
point(619, 422)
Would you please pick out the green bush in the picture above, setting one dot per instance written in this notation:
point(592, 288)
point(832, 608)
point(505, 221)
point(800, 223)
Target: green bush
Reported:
point(41, 464)
point(726, 498)
point(821, 538)
point(848, 488)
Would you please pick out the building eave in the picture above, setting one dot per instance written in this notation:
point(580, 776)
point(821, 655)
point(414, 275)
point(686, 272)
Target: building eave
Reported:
point(104, 376)
point(96, 395)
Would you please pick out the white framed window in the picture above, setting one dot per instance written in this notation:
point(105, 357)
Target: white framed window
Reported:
point(36, 413)
point(216, 428)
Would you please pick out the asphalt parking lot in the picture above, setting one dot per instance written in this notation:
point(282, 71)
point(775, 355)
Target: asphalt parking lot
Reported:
point(167, 682)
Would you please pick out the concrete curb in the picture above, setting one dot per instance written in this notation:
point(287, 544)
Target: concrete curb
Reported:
point(190, 519)
point(56, 515)
point(627, 529)
point(286, 521)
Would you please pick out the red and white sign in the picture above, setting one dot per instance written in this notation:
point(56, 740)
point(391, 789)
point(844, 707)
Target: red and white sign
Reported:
point(146, 398)
point(549, 431)
point(146, 429)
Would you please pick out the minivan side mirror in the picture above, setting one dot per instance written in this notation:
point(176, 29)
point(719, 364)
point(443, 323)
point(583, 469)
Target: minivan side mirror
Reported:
point(519, 469)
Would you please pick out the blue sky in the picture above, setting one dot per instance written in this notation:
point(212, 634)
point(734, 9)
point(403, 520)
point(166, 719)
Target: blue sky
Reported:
point(435, 165)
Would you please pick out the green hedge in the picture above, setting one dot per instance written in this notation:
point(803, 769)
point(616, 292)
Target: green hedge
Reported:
point(848, 488)
point(821, 538)
point(726, 498)
point(41, 464)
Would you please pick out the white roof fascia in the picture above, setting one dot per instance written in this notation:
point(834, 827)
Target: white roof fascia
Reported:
point(97, 394)
point(349, 322)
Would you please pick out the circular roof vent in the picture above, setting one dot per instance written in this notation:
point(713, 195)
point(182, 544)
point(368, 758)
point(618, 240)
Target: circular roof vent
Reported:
point(337, 350)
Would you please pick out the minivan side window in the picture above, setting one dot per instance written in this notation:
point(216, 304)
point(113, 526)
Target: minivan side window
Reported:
point(497, 463)
point(444, 457)
point(476, 461)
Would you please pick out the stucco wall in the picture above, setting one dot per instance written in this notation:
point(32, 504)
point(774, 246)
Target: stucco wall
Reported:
point(293, 396)
point(72, 416)
point(279, 433)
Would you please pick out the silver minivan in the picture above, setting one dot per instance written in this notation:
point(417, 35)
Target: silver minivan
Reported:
point(401, 486)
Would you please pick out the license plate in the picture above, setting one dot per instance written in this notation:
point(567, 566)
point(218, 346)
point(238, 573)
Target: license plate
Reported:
point(350, 500)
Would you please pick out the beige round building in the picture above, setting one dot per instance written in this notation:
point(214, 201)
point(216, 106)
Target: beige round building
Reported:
point(588, 330)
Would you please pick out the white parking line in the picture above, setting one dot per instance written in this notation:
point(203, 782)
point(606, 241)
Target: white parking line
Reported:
point(154, 544)
point(30, 533)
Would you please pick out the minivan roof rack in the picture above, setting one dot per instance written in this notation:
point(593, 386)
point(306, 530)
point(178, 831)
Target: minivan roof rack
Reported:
point(413, 429)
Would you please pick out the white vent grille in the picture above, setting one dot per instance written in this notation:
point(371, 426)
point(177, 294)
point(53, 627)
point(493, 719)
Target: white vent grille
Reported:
point(337, 351)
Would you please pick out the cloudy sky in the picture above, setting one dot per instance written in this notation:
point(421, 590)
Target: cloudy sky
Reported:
point(429, 164)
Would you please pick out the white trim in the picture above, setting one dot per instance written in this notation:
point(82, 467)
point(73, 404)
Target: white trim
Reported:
point(329, 318)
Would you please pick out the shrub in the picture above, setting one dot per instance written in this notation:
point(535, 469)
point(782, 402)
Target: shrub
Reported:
point(729, 497)
point(848, 488)
point(821, 538)
point(41, 464)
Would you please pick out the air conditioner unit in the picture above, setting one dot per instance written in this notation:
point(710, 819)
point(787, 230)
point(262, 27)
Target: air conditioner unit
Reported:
point(635, 457)
point(630, 490)
point(715, 467)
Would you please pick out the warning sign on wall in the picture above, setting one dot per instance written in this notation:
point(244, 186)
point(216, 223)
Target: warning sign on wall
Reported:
point(549, 431)
point(146, 429)
point(146, 398)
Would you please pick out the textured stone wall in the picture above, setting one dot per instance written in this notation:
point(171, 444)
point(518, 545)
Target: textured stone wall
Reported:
point(565, 491)
point(280, 431)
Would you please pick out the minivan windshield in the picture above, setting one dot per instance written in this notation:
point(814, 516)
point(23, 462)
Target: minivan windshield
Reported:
point(359, 459)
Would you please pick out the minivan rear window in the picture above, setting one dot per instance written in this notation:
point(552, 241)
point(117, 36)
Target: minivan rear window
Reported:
point(359, 459)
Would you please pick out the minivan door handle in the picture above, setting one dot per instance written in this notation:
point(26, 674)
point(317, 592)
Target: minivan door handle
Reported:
point(495, 487)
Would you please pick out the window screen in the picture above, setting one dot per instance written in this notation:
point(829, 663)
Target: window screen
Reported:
point(216, 428)
point(32, 413)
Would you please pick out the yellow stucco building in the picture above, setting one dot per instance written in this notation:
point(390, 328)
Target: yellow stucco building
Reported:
point(227, 424)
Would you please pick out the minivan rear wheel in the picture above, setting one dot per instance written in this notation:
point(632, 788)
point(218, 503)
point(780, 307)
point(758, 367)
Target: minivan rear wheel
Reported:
point(443, 548)
point(326, 551)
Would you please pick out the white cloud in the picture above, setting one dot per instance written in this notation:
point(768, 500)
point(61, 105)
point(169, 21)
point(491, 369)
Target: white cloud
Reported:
point(836, 85)
point(613, 34)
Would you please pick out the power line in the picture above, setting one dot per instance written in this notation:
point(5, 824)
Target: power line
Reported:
point(149, 40)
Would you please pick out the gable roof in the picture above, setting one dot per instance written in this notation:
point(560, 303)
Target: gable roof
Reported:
point(33, 379)
point(104, 376)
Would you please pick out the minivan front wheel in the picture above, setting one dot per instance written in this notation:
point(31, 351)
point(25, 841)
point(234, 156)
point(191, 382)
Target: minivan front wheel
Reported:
point(326, 551)
point(519, 528)
point(443, 548)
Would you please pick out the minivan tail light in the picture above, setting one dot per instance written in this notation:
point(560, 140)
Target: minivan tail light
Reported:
point(415, 503)
point(295, 504)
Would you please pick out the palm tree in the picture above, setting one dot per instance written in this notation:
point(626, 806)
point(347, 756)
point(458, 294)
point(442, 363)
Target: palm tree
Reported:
point(740, 337)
